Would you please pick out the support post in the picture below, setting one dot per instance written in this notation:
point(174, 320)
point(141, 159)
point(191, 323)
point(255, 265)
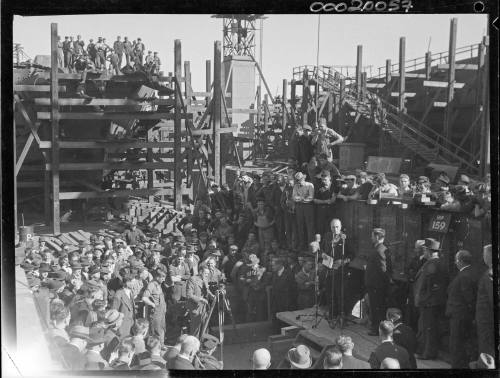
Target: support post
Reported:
point(177, 128)
point(340, 114)
point(149, 158)
point(485, 119)
point(266, 113)
point(363, 85)
point(283, 107)
point(208, 77)
point(187, 82)
point(402, 75)
point(450, 92)
point(54, 112)
point(428, 63)
point(217, 111)
point(305, 97)
point(359, 67)
point(292, 100)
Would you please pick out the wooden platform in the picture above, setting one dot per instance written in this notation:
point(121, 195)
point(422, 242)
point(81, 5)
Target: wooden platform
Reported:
point(324, 335)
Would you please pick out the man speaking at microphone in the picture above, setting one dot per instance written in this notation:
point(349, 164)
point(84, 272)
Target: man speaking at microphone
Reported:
point(336, 253)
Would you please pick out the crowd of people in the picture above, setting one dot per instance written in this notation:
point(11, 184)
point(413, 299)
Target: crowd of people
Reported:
point(74, 55)
point(117, 302)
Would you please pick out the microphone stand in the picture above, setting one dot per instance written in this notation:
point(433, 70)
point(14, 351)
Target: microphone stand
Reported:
point(316, 291)
point(332, 321)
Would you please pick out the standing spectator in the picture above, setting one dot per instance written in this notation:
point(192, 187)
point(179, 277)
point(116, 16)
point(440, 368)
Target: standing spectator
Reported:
point(324, 198)
point(387, 348)
point(303, 195)
point(124, 303)
point(101, 56)
point(60, 52)
point(261, 359)
point(416, 260)
point(378, 276)
point(92, 53)
point(93, 357)
point(139, 49)
point(333, 359)
point(403, 335)
point(346, 346)
point(460, 309)
point(127, 48)
point(304, 147)
point(305, 279)
point(133, 235)
point(79, 45)
point(485, 321)
point(282, 289)
point(288, 205)
point(66, 45)
point(299, 357)
point(321, 139)
point(125, 352)
point(349, 190)
point(153, 296)
point(73, 353)
point(253, 281)
point(114, 62)
point(430, 298)
point(264, 222)
point(119, 49)
point(156, 63)
point(197, 294)
point(404, 185)
point(148, 60)
point(184, 360)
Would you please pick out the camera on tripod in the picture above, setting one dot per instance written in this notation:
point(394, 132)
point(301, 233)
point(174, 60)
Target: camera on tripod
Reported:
point(215, 287)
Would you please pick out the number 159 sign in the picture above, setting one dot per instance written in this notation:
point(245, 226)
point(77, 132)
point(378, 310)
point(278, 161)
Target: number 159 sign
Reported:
point(440, 223)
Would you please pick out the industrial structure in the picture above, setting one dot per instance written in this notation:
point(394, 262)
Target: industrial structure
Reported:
point(167, 143)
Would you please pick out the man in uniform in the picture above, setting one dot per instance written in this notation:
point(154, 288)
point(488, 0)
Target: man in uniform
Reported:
point(153, 297)
point(119, 48)
point(430, 297)
point(127, 48)
point(198, 294)
point(79, 45)
point(378, 276)
point(67, 48)
point(148, 60)
point(139, 49)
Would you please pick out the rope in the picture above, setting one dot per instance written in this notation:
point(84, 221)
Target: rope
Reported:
point(317, 69)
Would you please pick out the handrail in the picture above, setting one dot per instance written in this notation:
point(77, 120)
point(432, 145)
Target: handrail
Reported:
point(439, 56)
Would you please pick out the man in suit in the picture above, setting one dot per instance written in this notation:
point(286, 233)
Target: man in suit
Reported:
point(198, 294)
point(184, 360)
point(378, 276)
point(282, 286)
point(346, 346)
point(403, 335)
point(388, 348)
point(73, 352)
point(95, 345)
point(460, 309)
point(430, 297)
point(124, 303)
point(485, 320)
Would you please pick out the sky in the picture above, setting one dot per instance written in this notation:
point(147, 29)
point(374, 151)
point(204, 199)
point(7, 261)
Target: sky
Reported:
point(288, 40)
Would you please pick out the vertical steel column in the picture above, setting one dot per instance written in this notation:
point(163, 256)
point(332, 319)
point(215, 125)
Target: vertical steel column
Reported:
point(284, 100)
point(450, 92)
point(402, 75)
point(54, 115)
point(359, 68)
point(485, 106)
point(177, 127)
point(217, 111)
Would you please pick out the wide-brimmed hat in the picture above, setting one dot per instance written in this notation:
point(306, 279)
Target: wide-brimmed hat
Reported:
point(113, 316)
point(432, 244)
point(300, 357)
point(59, 275)
point(80, 332)
point(44, 267)
point(53, 284)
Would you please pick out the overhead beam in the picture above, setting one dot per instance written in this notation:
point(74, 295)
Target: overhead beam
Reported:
point(122, 165)
point(113, 116)
point(115, 193)
point(103, 102)
point(37, 88)
point(442, 84)
point(468, 67)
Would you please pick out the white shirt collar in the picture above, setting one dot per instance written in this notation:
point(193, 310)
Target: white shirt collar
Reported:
point(464, 267)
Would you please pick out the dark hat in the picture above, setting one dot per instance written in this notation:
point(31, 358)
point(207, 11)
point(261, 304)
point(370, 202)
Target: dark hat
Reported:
point(76, 265)
point(96, 336)
point(59, 275)
point(307, 127)
point(350, 177)
point(28, 267)
point(216, 253)
point(80, 332)
point(94, 269)
point(300, 357)
point(190, 249)
point(423, 178)
point(44, 267)
point(432, 244)
point(53, 284)
point(113, 316)
point(93, 285)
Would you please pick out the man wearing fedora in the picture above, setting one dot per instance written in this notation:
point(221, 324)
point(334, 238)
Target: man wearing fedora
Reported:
point(93, 357)
point(113, 320)
point(73, 353)
point(430, 297)
point(299, 357)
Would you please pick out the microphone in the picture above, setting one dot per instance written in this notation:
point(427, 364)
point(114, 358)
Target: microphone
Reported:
point(317, 238)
